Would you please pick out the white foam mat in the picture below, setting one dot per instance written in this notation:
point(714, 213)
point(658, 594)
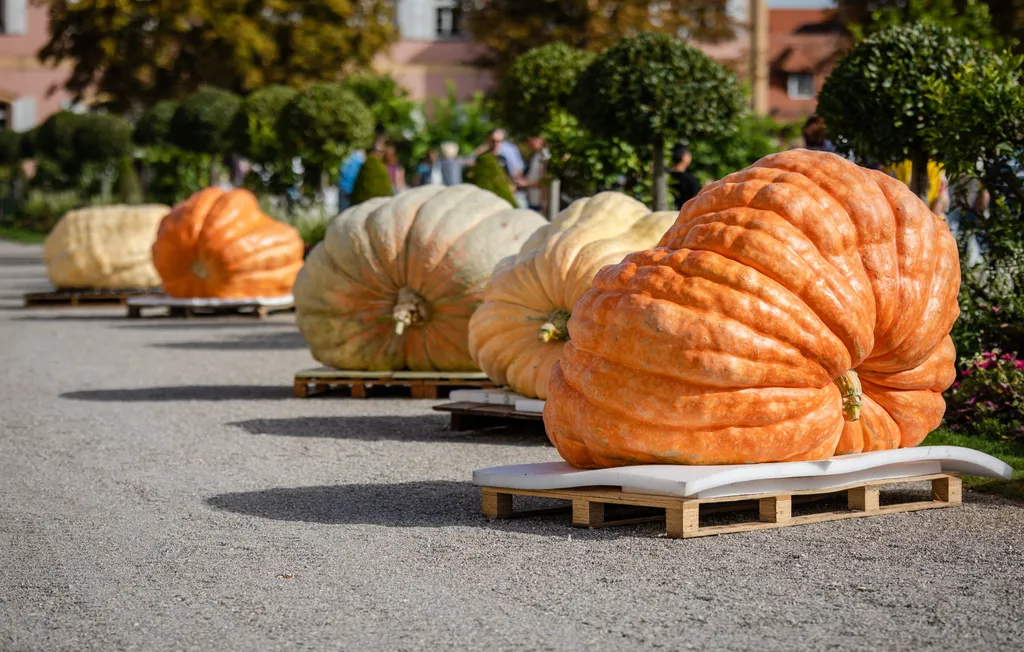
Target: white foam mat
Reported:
point(271, 302)
point(503, 396)
point(741, 479)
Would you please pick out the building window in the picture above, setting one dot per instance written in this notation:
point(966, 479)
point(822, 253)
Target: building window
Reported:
point(449, 21)
point(5, 116)
point(800, 86)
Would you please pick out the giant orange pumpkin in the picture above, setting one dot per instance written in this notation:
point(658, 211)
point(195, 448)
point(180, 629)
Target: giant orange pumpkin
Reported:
point(219, 244)
point(798, 309)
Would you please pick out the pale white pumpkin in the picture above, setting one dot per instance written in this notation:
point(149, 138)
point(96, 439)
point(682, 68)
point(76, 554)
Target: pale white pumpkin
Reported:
point(396, 279)
point(104, 247)
point(517, 334)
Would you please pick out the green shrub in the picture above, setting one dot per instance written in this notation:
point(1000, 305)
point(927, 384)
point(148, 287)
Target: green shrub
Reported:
point(489, 175)
point(322, 124)
point(990, 390)
point(128, 189)
point(43, 208)
point(154, 127)
point(372, 181)
point(200, 124)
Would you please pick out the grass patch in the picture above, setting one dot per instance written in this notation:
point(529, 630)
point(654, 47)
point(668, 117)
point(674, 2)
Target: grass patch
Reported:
point(21, 235)
point(1009, 452)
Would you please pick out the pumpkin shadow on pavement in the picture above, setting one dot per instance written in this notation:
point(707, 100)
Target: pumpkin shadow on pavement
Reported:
point(183, 393)
point(431, 503)
point(248, 342)
point(432, 428)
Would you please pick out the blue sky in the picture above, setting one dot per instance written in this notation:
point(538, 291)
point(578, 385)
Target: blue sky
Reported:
point(800, 4)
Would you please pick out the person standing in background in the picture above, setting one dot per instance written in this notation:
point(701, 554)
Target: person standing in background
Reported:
point(685, 184)
point(451, 165)
point(428, 172)
point(816, 135)
point(395, 171)
point(536, 170)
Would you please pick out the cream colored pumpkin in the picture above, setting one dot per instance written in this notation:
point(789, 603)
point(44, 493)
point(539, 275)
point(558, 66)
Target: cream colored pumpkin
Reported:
point(104, 247)
point(517, 334)
point(396, 279)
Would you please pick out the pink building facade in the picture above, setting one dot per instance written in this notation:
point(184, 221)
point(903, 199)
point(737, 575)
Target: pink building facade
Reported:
point(25, 83)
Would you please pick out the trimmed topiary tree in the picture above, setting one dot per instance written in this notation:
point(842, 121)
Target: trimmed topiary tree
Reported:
point(127, 189)
point(538, 85)
point(372, 181)
point(646, 89)
point(322, 124)
point(253, 132)
point(880, 101)
point(102, 138)
point(55, 140)
point(154, 127)
point(488, 174)
point(202, 122)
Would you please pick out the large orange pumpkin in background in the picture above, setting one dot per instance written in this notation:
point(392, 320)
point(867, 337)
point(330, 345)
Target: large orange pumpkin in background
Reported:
point(219, 244)
point(798, 309)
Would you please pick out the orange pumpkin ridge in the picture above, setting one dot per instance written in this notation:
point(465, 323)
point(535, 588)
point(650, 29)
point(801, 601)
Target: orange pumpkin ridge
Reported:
point(219, 244)
point(797, 309)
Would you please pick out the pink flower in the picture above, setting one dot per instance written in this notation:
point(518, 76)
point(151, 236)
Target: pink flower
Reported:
point(996, 308)
point(1009, 357)
point(984, 365)
point(1018, 364)
point(966, 372)
point(955, 385)
point(989, 355)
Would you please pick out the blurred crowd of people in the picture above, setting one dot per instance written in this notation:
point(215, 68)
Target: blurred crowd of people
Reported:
point(443, 165)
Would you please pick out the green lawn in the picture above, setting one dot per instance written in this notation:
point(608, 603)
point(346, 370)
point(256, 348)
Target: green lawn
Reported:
point(21, 235)
point(1011, 453)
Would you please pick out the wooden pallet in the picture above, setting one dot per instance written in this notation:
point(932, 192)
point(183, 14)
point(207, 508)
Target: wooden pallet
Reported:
point(682, 515)
point(82, 298)
point(474, 416)
point(358, 384)
point(248, 310)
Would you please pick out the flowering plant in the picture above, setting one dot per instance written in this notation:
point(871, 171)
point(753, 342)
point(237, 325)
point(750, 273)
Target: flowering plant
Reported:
point(989, 396)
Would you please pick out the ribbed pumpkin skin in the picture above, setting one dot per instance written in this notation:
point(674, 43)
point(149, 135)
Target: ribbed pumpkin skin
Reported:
point(433, 246)
point(104, 247)
point(545, 280)
point(721, 345)
point(219, 244)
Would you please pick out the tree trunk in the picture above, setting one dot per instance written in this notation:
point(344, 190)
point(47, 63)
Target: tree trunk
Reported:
point(554, 198)
point(919, 175)
point(213, 170)
point(660, 177)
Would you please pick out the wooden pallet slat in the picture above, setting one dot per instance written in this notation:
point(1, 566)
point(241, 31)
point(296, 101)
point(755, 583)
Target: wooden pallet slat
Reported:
point(176, 311)
point(682, 515)
point(360, 384)
point(69, 298)
point(474, 416)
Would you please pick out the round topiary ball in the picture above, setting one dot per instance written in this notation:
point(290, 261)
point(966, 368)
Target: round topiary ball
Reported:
point(154, 127)
point(100, 138)
point(201, 123)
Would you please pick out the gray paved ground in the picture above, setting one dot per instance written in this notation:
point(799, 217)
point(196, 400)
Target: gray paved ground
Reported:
point(159, 490)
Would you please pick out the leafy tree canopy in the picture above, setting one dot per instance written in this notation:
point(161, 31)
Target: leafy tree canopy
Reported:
point(539, 84)
point(101, 138)
point(510, 28)
point(136, 53)
point(154, 127)
point(254, 129)
point(202, 121)
point(651, 87)
point(971, 19)
point(909, 92)
point(54, 139)
point(322, 124)
point(393, 112)
point(10, 147)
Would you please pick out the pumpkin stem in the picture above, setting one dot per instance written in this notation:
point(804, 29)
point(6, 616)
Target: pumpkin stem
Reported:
point(411, 310)
point(849, 389)
point(557, 327)
point(199, 269)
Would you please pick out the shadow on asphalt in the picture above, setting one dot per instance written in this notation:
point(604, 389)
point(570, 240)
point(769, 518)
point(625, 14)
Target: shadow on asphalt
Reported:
point(431, 428)
point(202, 323)
point(54, 316)
point(184, 393)
point(252, 342)
point(36, 261)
